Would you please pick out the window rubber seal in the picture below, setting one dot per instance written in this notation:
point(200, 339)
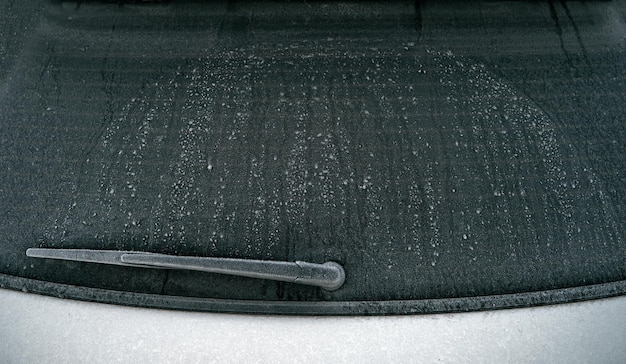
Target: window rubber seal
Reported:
point(317, 308)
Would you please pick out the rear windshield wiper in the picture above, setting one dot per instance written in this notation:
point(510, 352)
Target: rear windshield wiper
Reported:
point(329, 276)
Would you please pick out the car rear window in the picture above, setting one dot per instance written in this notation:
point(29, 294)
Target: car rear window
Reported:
point(450, 156)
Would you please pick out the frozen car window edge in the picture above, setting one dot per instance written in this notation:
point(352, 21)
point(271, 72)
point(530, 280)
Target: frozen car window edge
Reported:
point(536, 164)
point(345, 308)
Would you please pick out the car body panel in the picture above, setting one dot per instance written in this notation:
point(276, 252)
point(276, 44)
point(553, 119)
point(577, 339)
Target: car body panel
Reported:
point(53, 330)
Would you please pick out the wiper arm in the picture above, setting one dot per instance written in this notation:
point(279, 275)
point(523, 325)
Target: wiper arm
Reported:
point(329, 276)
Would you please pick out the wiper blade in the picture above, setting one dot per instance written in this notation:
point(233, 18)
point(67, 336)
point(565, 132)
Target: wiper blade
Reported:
point(329, 276)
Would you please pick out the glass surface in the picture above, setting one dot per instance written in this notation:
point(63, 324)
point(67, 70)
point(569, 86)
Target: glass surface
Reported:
point(434, 149)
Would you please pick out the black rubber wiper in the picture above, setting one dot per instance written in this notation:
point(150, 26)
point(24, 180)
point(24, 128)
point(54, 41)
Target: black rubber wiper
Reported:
point(329, 276)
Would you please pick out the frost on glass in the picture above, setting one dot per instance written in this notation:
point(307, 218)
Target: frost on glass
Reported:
point(397, 159)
